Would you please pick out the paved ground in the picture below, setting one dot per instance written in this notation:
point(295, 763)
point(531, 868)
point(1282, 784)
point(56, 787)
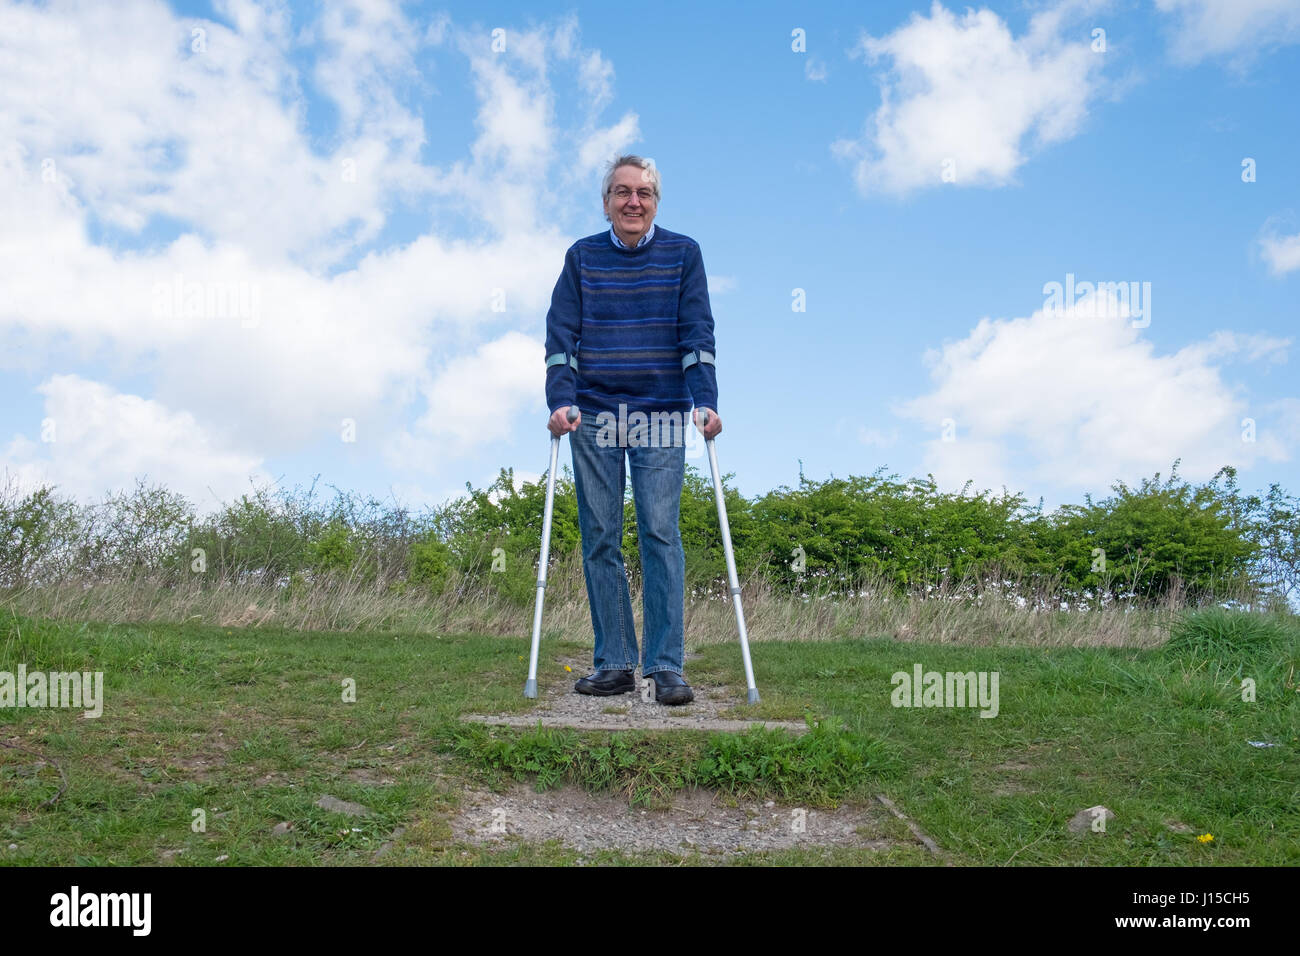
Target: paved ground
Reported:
point(698, 821)
point(633, 711)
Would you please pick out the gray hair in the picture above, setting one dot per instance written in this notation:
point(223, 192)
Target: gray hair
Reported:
point(651, 175)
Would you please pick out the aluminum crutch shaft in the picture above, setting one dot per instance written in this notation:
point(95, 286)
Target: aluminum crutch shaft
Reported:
point(731, 564)
point(530, 686)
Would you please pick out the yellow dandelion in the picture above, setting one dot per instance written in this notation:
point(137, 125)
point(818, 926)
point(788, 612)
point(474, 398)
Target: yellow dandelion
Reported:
point(568, 668)
point(1206, 837)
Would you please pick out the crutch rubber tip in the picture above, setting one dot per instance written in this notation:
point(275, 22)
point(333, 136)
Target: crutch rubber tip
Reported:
point(753, 695)
point(530, 689)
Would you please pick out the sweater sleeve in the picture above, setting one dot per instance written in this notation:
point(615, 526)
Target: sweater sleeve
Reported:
point(695, 330)
point(563, 332)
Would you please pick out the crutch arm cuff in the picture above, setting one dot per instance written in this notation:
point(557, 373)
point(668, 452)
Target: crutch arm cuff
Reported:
point(562, 358)
point(695, 356)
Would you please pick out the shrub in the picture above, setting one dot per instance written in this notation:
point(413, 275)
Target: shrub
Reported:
point(333, 551)
point(431, 562)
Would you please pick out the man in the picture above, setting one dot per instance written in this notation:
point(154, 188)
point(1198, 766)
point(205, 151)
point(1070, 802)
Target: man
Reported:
point(630, 334)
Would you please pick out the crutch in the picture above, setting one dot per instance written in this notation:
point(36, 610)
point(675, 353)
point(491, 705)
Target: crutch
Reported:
point(530, 687)
point(731, 563)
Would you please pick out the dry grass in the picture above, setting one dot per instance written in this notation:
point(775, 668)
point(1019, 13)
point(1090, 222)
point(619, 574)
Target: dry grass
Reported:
point(963, 614)
point(946, 615)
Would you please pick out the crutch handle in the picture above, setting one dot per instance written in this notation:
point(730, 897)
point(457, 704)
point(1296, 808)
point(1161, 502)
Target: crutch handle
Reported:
point(571, 416)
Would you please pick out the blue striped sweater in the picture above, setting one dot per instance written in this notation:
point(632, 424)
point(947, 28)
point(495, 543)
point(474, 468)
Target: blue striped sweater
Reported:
point(630, 315)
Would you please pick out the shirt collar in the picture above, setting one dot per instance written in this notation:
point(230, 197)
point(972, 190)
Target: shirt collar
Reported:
point(623, 245)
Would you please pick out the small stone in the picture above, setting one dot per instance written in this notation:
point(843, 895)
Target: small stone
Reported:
point(280, 829)
point(335, 805)
point(13, 846)
point(223, 858)
point(1083, 821)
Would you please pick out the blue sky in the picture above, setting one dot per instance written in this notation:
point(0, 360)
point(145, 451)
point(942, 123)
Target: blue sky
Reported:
point(269, 241)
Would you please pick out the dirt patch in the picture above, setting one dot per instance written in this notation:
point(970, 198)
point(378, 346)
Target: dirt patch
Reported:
point(1009, 784)
point(1012, 765)
point(698, 821)
point(198, 766)
point(636, 710)
point(368, 778)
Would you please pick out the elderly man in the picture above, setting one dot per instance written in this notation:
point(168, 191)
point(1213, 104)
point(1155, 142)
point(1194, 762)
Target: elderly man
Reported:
point(629, 339)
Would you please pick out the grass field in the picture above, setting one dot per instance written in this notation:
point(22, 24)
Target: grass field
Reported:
point(251, 726)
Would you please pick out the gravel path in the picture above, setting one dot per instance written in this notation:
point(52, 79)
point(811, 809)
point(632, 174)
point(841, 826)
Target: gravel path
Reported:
point(637, 710)
point(695, 823)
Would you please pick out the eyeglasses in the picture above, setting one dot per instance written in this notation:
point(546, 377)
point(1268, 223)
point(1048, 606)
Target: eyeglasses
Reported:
point(645, 195)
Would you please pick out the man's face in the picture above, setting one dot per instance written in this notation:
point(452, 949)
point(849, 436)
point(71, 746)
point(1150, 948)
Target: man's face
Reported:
point(631, 203)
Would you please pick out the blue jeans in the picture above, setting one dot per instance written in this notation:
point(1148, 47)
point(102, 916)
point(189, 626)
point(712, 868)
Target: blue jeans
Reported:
point(600, 480)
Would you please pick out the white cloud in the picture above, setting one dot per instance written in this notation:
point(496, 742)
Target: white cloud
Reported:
point(140, 124)
point(596, 79)
point(720, 285)
point(436, 32)
point(1214, 28)
point(1077, 401)
point(965, 100)
point(475, 398)
point(137, 126)
point(603, 145)
point(1282, 253)
point(318, 349)
point(94, 439)
point(516, 120)
point(519, 131)
point(814, 69)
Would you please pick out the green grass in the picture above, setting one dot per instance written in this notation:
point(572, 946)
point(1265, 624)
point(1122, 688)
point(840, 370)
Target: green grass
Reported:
point(818, 768)
point(252, 728)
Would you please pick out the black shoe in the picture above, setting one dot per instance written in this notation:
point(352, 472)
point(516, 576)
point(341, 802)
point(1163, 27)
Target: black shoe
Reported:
point(606, 683)
point(670, 688)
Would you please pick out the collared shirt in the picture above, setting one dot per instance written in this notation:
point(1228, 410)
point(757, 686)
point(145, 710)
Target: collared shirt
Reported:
point(623, 245)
